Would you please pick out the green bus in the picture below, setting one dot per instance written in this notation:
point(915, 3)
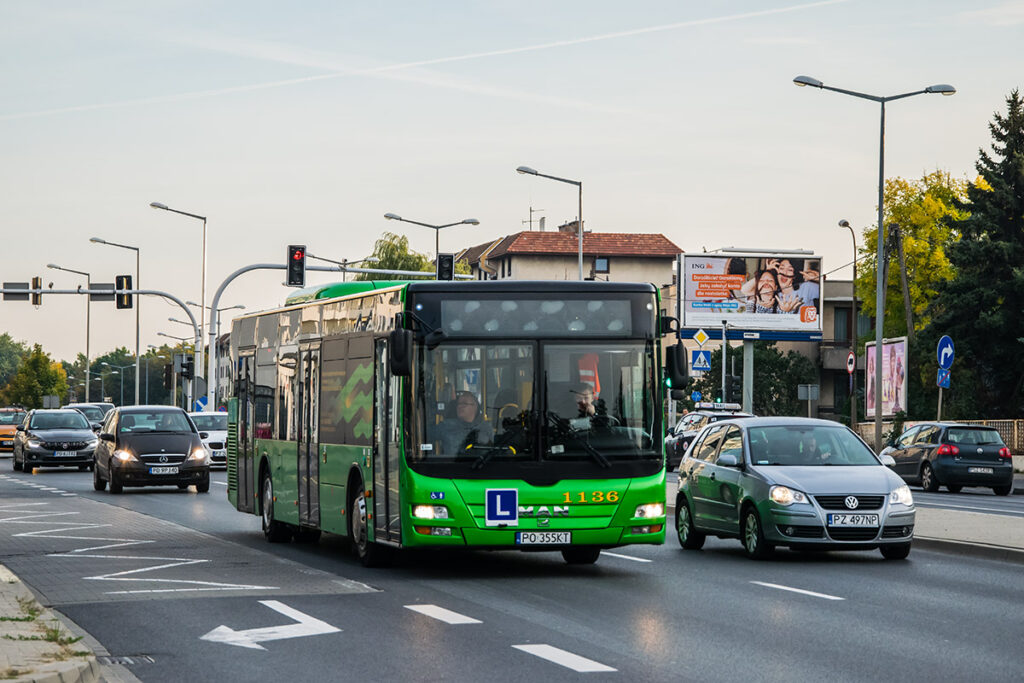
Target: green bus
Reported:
point(483, 414)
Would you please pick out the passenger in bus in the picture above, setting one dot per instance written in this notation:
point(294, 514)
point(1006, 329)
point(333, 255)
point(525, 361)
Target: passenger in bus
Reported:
point(467, 428)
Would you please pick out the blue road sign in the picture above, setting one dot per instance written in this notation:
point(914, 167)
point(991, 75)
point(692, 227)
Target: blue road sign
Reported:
point(501, 506)
point(696, 396)
point(700, 360)
point(943, 379)
point(200, 404)
point(944, 352)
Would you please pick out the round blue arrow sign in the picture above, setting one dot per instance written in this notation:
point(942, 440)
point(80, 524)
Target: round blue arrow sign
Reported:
point(944, 352)
point(695, 396)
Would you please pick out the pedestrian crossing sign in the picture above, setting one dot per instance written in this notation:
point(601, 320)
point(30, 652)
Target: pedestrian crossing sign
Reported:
point(700, 360)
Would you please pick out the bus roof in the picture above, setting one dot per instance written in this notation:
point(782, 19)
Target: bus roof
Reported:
point(332, 290)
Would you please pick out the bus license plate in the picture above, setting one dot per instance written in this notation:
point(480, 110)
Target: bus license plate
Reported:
point(543, 537)
point(163, 470)
point(853, 520)
point(65, 454)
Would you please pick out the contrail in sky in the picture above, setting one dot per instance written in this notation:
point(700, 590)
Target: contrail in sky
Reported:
point(198, 94)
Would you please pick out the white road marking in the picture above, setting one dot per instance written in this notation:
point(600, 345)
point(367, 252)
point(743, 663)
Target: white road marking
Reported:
point(251, 638)
point(1008, 511)
point(563, 658)
point(222, 483)
point(442, 614)
point(798, 590)
point(625, 557)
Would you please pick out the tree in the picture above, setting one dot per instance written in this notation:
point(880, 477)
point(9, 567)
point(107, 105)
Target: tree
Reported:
point(982, 306)
point(37, 376)
point(393, 253)
point(11, 353)
point(776, 376)
point(926, 212)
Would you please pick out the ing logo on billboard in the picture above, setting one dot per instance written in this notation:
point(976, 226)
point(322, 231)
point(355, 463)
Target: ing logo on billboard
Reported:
point(808, 314)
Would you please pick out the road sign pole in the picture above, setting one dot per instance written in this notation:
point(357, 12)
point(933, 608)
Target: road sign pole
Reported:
point(938, 417)
point(725, 348)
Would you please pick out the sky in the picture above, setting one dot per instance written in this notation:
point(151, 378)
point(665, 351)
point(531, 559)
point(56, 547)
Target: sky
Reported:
point(304, 123)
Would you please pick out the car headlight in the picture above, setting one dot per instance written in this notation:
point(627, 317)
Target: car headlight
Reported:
point(430, 512)
point(901, 495)
point(198, 454)
point(783, 495)
point(650, 510)
point(91, 441)
point(34, 443)
point(124, 456)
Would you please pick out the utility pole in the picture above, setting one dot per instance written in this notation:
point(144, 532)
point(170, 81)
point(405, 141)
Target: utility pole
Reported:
point(530, 221)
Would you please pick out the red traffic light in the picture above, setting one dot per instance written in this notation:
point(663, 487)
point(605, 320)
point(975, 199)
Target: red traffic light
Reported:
point(298, 254)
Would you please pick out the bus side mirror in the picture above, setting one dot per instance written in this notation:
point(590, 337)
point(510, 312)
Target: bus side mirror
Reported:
point(400, 352)
point(675, 366)
point(669, 325)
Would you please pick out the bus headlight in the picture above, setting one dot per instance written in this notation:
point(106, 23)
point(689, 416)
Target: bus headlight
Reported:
point(430, 512)
point(650, 510)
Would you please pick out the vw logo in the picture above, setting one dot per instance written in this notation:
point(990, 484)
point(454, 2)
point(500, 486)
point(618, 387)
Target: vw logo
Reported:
point(851, 502)
point(980, 451)
point(163, 458)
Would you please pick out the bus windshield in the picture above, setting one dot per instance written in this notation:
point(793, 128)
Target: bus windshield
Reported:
point(534, 401)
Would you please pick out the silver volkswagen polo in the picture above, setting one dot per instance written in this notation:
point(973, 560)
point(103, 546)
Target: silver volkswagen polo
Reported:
point(797, 482)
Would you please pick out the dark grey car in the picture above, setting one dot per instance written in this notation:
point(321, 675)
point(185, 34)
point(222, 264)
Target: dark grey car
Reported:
point(53, 438)
point(955, 455)
point(797, 482)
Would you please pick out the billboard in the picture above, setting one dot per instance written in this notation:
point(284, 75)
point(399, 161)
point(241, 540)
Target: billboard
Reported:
point(779, 292)
point(894, 377)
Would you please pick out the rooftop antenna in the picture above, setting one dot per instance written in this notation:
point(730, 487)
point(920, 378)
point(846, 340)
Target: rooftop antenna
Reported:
point(530, 221)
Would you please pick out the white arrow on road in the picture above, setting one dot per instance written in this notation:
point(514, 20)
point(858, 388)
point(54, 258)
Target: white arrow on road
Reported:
point(251, 638)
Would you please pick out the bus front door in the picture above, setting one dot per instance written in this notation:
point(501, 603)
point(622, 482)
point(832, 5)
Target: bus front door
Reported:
point(309, 436)
point(387, 517)
point(245, 444)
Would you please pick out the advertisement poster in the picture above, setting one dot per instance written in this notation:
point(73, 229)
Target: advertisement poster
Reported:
point(894, 377)
point(780, 292)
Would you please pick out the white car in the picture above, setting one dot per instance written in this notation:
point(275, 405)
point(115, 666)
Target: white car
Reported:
point(215, 426)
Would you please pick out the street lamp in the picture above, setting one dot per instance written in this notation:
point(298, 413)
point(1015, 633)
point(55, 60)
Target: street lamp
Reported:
point(118, 372)
point(138, 304)
point(88, 312)
point(853, 330)
point(942, 89)
point(215, 316)
point(344, 263)
point(526, 170)
point(437, 228)
point(202, 293)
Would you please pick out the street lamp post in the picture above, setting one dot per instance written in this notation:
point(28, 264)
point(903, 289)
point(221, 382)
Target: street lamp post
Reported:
point(344, 263)
point(138, 304)
point(437, 228)
point(120, 371)
point(200, 368)
point(88, 315)
point(942, 89)
point(526, 170)
point(853, 329)
point(182, 341)
point(215, 316)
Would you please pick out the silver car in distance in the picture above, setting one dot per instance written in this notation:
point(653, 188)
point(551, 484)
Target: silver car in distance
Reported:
point(796, 482)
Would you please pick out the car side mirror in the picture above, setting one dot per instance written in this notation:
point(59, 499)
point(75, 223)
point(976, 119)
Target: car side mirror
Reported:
point(670, 431)
point(96, 427)
point(728, 460)
point(20, 428)
point(108, 437)
point(204, 435)
point(888, 461)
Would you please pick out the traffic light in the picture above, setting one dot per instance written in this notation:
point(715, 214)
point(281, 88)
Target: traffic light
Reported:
point(446, 266)
point(734, 385)
point(123, 282)
point(168, 377)
point(37, 297)
point(297, 265)
point(188, 367)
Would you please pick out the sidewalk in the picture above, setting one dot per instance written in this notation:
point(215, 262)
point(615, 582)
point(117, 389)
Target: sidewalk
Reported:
point(34, 644)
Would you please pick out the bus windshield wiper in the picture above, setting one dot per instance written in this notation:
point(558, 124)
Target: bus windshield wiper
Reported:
point(562, 425)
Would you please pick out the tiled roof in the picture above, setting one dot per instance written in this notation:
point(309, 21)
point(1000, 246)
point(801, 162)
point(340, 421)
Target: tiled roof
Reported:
point(594, 244)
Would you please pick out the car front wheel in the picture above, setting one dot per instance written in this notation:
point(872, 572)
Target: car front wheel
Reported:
point(689, 537)
point(754, 543)
point(98, 482)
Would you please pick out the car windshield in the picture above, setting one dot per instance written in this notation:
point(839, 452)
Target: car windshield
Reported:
point(11, 417)
point(974, 437)
point(211, 423)
point(93, 413)
point(156, 421)
point(70, 419)
point(807, 445)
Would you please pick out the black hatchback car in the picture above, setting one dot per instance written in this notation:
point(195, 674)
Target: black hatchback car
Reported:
point(53, 438)
point(954, 455)
point(150, 446)
point(681, 436)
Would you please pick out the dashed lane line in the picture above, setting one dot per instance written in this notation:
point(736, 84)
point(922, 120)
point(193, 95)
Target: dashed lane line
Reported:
point(442, 614)
point(625, 557)
point(564, 658)
point(824, 596)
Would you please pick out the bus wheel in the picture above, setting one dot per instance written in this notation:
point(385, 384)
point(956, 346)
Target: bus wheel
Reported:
point(370, 554)
point(581, 555)
point(276, 532)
